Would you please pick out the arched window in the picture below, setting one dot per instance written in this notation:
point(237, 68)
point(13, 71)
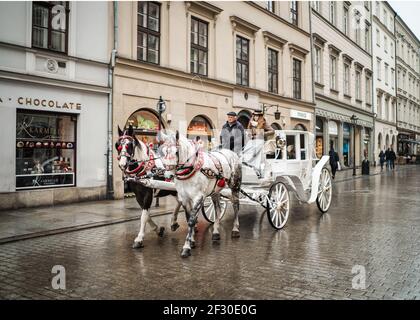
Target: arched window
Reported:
point(276, 126)
point(243, 117)
point(201, 127)
point(145, 123)
point(300, 127)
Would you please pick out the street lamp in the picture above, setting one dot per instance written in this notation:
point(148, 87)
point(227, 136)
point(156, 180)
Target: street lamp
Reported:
point(161, 107)
point(277, 113)
point(354, 119)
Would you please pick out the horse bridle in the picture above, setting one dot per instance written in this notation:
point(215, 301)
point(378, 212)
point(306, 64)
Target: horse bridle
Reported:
point(141, 165)
point(181, 165)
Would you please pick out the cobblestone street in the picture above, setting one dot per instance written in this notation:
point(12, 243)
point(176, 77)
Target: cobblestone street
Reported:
point(374, 222)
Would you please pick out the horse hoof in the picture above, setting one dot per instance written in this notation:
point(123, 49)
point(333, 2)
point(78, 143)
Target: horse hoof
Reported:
point(161, 232)
point(215, 237)
point(185, 253)
point(175, 226)
point(192, 244)
point(138, 244)
point(235, 234)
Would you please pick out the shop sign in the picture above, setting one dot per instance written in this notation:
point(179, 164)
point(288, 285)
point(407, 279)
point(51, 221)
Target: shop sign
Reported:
point(42, 102)
point(300, 115)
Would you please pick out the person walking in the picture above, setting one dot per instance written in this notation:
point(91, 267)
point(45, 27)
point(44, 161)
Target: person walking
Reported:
point(393, 157)
point(388, 159)
point(232, 136)
point(333, 160)
point(382, 159)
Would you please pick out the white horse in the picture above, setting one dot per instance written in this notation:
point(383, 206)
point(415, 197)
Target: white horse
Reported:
point(137, 160)
point(199, 174)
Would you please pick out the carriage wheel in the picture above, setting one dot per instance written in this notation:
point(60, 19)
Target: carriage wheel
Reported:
point(278, 205)
point(209, 213)
point(324, 197)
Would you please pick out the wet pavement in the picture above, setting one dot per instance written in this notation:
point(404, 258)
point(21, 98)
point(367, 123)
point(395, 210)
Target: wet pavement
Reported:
point(373, 225)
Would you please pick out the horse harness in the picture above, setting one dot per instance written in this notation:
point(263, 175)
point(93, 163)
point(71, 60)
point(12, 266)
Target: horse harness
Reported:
point(185, 172)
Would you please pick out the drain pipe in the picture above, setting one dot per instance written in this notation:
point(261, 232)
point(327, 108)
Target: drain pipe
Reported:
point(110, 182)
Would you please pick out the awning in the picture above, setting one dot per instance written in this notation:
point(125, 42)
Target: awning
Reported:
point(410, 141)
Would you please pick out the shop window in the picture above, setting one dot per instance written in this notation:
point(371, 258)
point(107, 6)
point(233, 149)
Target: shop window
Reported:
point(45, 150)
point(200, 128)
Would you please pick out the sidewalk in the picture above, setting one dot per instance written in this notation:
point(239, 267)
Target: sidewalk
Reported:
point(36, 222)
point(27, 223)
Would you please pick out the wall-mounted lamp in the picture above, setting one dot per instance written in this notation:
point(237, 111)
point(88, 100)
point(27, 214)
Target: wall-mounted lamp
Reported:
point(277, 114)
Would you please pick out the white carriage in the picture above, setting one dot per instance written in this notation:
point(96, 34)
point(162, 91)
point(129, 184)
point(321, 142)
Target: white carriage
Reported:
point(287, 164)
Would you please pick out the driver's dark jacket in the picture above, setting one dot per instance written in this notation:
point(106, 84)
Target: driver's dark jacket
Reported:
point(232, 136)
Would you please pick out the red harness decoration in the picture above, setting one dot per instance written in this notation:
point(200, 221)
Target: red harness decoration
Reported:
point(184, 173)
point(143, 166)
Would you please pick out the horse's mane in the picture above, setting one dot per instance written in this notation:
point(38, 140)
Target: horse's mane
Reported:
point(140, 151)
point(184, 148)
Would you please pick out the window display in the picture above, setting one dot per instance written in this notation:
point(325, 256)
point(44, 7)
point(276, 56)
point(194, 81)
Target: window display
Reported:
point(45, 150)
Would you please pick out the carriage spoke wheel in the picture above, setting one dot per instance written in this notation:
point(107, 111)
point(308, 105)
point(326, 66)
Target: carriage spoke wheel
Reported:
point(209, 212)
point(278, 205)
point(324, 197)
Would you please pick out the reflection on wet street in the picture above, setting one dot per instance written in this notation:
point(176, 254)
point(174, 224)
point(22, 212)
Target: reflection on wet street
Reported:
point(374, 222)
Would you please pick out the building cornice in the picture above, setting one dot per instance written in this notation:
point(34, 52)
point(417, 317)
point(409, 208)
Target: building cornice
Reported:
point(275, 16)
point(203, 6)
point(243, 24)
point(270, 37)
point(21, 77)
point(334, 49)
point(52, 54)
point(347, 57)
point(294, 47)
point(138, 65)
point(317, 38)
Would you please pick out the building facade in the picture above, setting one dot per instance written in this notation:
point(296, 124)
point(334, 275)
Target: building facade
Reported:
point(53, 102)
point(208, 58)
point(384, 83)
point(342, 64)
point(408, 89)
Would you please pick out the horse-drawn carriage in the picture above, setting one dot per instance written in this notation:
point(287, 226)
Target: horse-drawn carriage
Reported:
point(264, 175)
point(288, 165)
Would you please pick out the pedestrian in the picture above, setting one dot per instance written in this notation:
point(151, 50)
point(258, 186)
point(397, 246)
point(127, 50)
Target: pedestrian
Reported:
point(393, 157)
point(333, 160)
point(382, 159)
point(232, 136)
point(388, 159)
